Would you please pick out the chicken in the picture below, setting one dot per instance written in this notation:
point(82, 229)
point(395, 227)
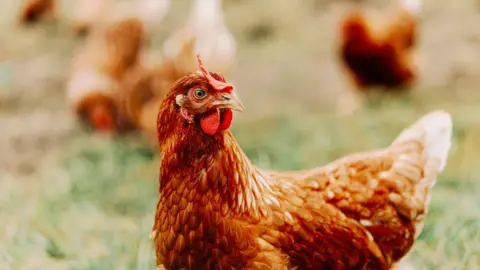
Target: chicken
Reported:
point(380, 53)
point(218, 211)
point(213, 40)
point(98, 89)
point(97, 70)
point(35, 10)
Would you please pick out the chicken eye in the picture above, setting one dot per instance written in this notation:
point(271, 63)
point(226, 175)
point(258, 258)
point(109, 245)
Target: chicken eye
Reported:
point(199, 93)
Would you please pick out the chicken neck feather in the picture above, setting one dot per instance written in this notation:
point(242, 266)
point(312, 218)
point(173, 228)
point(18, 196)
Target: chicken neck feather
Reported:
point(213, 164)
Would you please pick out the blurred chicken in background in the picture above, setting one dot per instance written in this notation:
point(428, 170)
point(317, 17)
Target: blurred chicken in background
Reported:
point(98, 68)
point(378, 50)
point(145, 87)
point(111, 50)
point(35, 10)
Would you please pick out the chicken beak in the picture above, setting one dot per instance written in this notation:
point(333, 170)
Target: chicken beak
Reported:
point(229, 101)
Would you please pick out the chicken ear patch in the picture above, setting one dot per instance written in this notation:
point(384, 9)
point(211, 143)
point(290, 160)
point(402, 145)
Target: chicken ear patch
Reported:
point(210, 122)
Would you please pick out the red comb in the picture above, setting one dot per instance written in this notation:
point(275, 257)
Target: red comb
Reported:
point(214, 83)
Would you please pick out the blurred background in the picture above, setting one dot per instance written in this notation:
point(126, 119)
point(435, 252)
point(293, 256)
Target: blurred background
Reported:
point(74, 199)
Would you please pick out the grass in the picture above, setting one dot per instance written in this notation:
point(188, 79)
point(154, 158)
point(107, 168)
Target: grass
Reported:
point(70, 199)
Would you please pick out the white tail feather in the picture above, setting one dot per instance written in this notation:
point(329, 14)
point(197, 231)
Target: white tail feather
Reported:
point(434, 130)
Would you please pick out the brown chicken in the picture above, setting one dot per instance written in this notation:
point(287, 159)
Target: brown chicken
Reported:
point(98, 69)
point(218, 211)
point(35, 10)
point(379, 53)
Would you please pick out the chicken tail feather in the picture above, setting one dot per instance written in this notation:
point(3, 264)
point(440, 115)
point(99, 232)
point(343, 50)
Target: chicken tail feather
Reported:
point(434, 132)
point(424, 148)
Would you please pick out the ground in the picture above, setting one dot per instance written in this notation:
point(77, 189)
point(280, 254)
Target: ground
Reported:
point(70, 199)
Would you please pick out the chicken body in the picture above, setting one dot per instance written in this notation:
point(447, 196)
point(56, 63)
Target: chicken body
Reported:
point(98, 69)
point(217, 210)
point(379, 53)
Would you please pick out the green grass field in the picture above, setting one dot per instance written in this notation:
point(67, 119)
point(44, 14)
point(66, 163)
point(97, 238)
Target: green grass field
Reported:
point(70, 199)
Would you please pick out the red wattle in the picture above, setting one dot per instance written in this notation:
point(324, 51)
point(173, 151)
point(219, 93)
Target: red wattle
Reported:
point(226, 120)
point(210, 122)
